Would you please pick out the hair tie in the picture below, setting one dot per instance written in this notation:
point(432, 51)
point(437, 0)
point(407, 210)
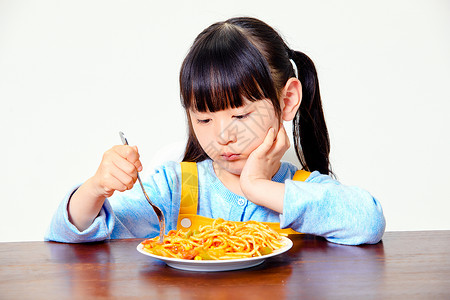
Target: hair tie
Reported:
point(294, 66)
point(291, 54)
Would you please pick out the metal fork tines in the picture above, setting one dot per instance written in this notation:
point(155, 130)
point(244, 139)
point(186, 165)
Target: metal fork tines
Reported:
point(158, 211)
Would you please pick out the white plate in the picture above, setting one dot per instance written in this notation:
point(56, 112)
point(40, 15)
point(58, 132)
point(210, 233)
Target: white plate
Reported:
point(217, 265)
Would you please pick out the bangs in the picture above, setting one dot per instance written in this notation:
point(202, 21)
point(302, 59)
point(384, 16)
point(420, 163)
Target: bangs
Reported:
point(222, 70)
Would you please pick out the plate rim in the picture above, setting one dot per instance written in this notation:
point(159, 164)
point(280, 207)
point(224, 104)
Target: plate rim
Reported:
point(287, 241)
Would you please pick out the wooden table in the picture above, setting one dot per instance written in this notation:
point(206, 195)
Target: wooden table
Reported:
point(405, 265)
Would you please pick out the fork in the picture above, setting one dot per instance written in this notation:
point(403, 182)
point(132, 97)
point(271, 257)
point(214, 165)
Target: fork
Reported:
point(158, 211)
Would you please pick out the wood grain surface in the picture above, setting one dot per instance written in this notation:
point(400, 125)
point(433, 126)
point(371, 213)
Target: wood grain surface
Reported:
point(405, 265)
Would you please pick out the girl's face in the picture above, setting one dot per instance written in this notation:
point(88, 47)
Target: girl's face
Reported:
point(229, 136)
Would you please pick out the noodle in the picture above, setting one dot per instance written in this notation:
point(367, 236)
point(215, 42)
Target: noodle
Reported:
point(218, 241)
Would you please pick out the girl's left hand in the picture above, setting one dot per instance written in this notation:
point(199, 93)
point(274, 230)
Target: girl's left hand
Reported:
point(264, 161)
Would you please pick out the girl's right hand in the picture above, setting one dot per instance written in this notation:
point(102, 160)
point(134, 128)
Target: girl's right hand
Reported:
point(117, 171)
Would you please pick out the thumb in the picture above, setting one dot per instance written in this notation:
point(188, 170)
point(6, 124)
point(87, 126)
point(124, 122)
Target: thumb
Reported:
point(138, 162)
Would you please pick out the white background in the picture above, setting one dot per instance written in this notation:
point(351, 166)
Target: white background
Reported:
point(74, 73)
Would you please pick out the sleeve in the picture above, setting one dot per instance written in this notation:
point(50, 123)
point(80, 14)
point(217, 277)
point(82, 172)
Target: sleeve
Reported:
point(62, 230)
point(127, 214)
point(342, 214)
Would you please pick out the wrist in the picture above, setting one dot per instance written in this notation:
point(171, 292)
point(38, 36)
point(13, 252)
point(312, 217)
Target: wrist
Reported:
point(94, 190)
point(84, 205)
point(265, 193)
point(253, 189)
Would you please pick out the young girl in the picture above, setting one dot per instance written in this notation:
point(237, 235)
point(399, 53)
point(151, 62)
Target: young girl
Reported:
point(239, 82)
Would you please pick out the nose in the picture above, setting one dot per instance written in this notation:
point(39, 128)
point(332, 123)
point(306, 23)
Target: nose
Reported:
point(226, 133)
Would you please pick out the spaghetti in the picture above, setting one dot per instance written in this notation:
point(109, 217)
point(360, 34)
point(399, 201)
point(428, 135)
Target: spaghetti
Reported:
point(218, 241)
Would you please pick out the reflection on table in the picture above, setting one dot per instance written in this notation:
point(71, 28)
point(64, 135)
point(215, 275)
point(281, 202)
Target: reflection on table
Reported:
point(404, 265)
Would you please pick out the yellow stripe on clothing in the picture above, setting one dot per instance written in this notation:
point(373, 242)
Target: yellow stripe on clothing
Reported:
point(301, 175)
point(188, 218)
point(189, 188)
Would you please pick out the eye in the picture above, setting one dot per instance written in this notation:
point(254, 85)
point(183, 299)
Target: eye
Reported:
point(203, 121)
point(241, 117)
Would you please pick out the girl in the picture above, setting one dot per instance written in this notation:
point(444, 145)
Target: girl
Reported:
point(239, 82)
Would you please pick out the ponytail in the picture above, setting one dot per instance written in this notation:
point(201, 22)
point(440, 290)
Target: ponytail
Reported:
point(311, 140)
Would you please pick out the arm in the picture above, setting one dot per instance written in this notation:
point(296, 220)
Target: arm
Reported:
point(320, 206)
point(85, 214)
point(324, 207)
point(262, 164)
point(62, 230)
point(125, 214)
point(117, 172)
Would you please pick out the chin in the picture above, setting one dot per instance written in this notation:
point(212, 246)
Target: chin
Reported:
point(236, 172)
point(234, 168)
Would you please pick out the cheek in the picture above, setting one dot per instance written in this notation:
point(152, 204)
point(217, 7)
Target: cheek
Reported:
point(261, 124)
point(253, 139)
point(201, 135)
point(206, 140)
point(260, 128)
point(199, 132)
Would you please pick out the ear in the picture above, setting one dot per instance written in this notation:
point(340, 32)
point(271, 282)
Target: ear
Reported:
point(291, 97)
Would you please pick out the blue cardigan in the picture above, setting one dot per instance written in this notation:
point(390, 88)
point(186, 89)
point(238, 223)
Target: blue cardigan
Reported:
point(320, 206)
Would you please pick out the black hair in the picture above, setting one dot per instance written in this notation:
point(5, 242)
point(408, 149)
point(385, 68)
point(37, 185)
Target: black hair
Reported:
point(244, 58)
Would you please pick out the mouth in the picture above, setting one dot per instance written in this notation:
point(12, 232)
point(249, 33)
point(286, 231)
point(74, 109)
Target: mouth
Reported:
point(230, 156)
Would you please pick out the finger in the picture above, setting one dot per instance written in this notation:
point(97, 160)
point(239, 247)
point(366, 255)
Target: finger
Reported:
point(267, 143)
point(130, 153)
point(137, 163)
point(124, 165)
point(282, 141)
point(280, 145)
point(125, 181)
point(110, 183)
